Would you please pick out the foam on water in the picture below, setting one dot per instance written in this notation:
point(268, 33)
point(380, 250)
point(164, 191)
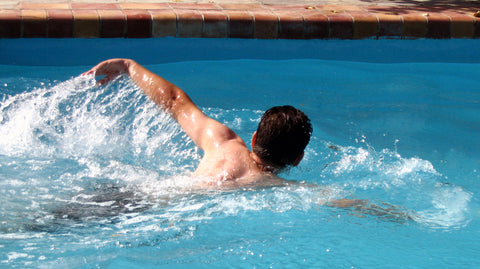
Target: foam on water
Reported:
point(113, 160)
point(77, 119)
point(410, 182)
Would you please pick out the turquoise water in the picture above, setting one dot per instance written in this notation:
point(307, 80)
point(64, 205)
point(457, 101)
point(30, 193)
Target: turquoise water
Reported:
point(98, 177)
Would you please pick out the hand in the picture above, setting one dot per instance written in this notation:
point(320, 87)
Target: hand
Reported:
point(110, 69)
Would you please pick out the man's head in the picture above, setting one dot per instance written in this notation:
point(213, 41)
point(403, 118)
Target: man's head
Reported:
point(281, 137)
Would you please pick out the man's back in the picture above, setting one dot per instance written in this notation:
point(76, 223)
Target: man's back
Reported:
point(232, 166)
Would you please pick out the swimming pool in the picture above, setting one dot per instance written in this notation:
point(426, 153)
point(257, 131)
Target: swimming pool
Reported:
point(98, 177)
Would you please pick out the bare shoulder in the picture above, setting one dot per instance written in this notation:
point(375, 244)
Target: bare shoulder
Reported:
point(223, 134)
point(225, 159)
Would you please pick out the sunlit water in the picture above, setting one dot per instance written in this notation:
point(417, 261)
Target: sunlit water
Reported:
point(99, 176)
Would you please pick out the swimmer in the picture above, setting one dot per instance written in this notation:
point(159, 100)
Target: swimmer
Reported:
point(279, 142)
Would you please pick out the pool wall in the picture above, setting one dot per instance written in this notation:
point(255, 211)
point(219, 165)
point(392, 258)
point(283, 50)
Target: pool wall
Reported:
point(66, 51)
point(214, 20)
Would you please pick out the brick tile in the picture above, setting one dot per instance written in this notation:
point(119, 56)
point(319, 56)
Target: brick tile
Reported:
point(265, 24)
point(438, 26)
point(341, 25)
point(190, 23)
point(10, 24)
point(241, 24)
point(86, 23)
point(389, 25)
point(139, 23)
point(144, 5)
point(195, 6)
point(365, 25)
point(414, 25)
point(245, 7)
point(60, 23)
point(164, 23)
point(91, 6)
point(316, 24)
point(34, 23)
point(215, 24)
point(288, 7)
point(27, 5)
point(112, 23)
point(462, 25)
point(477, 28)
point(291, 24)
point(340, 8)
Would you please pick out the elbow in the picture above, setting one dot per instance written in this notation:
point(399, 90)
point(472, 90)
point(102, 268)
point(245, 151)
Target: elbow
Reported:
point(173, 102)
point(176, 102)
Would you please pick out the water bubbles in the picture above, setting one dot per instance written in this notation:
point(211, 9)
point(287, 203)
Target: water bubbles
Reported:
point(386, 176)
point(77, 119)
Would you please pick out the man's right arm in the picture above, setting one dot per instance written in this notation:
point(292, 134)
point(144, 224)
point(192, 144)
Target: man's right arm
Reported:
point(163, 93)
point(204, 131)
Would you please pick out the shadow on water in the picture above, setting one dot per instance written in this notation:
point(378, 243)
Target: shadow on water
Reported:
point(103, 204)
point(106, 200)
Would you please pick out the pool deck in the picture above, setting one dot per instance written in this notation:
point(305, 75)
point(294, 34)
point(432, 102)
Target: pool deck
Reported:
point(263, 19)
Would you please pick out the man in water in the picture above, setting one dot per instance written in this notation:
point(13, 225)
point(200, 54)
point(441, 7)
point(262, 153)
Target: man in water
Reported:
point(279, 142)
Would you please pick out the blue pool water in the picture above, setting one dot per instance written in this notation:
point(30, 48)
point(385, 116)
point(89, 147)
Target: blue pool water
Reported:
point(98, 177)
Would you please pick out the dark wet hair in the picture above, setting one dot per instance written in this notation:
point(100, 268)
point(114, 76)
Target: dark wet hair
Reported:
point(282, 135)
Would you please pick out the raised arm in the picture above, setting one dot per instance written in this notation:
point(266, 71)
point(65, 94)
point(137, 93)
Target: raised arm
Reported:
point(204, 131)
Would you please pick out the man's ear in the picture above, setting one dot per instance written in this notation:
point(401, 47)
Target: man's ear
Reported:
point(299, 159)
point(254, 139)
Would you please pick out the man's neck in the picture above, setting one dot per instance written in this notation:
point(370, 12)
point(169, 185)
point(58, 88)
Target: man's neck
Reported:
point(260, 164)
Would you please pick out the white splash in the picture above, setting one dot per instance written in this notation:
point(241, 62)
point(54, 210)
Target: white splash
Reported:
point(412, 183)
point(78, 119)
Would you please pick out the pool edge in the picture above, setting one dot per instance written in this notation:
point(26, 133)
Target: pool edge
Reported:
point(211, 20)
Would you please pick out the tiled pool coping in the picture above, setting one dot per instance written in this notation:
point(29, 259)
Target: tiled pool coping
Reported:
point(144, 20)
